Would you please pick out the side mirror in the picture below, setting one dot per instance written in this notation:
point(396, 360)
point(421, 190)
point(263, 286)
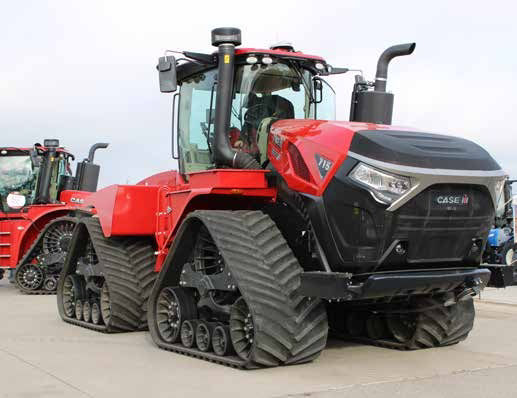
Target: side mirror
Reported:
point(167, 73)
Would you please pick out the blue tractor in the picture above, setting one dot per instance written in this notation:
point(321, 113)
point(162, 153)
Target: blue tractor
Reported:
point(500, 253)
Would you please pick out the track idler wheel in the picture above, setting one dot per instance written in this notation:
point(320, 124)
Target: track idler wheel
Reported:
point(188, 333)
point(87, 311)
point(242, 328)
point(96, 313)
point(174, 306)
point(30, 277)
point(204, 332)
point(73, 290)
point(221, 340)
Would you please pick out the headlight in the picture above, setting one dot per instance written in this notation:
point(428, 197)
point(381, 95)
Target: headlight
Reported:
point(384, 187)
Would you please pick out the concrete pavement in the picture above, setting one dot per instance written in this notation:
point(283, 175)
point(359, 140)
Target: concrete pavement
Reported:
point(40, 356)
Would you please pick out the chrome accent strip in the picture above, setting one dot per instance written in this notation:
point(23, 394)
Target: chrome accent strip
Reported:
point(5, 244)
point(422, 178)
point(5, 256)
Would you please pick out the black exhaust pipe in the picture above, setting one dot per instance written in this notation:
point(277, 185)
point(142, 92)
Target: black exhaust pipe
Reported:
point(45, 173)
point(99, 145)
point(376, 106)
point(226, 39)
point(381, 76)
point(87, 173)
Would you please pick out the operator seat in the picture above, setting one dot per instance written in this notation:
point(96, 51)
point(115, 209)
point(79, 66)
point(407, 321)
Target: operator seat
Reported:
point(282, 109)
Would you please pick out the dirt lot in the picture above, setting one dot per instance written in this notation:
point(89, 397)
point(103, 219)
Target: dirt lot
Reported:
point(40, 356)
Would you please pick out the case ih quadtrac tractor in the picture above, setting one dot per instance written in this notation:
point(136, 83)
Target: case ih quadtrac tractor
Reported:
point(38, 195)
point(281, 223)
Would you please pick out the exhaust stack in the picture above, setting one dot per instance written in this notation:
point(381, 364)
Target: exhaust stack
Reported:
point(376, 106)
point(87, 173)
point(226, 39)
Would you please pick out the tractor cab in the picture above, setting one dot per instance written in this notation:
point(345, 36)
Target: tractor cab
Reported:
point(32, 175)
point(267, 86)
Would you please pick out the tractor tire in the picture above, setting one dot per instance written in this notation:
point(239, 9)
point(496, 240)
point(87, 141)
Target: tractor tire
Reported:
point(509, 253)
point(287, 327)
point(436, 326)
point(128, 265)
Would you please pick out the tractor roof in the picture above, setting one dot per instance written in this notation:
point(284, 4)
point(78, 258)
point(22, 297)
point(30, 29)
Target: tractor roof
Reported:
point(25, 149)
point(189, 68)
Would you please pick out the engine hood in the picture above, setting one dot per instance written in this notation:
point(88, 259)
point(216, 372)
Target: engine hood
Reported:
point(425, 158)
point(424, 150)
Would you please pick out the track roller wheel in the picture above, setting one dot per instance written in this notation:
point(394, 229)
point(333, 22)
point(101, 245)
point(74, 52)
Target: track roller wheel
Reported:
point(221, 340)
point(174, 305)
point(73, 290)
point(96, 313)
point(376, 327)
point(355, 324)
point(242, 329)
point(204, 332)
point(188, 333)
point(79, 310)
point(50, 284)
point(30, 277)
point(87, 311)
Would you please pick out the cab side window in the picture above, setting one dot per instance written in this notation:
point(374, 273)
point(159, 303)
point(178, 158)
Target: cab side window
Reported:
point(196, 122)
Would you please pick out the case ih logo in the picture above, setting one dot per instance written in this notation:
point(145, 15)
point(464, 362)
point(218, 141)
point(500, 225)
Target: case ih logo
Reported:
point(453, 200)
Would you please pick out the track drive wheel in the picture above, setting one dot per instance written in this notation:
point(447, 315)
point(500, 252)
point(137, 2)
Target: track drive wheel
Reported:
point(174, 306)
point(105, 304)
point(436, 326)
point(73, 290)
point(242, 329)
point(30, 277)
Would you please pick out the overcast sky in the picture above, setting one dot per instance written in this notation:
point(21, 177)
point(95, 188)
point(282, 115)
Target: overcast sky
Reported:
point(84, 71)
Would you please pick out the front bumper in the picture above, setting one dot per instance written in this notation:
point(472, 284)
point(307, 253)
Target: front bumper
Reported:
point(337, 285)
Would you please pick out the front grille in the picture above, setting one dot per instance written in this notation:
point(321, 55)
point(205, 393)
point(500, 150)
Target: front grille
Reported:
point(443, 232)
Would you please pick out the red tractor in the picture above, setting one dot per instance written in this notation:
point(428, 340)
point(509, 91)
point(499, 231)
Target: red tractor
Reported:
point(281, 223)
point(39, 195)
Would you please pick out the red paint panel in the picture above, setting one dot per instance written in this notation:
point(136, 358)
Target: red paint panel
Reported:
point(126, 209)
point(228, 178)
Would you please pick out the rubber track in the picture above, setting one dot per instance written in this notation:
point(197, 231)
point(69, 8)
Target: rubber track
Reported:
point(29, 255)
point(289, 328)
point(128, 270)
point(446, 325)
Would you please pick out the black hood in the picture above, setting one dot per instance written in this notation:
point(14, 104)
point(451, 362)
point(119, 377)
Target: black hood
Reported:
point(423, 150)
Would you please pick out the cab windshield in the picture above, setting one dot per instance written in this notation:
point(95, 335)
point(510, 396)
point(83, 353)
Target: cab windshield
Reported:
point(263, 94)
point(16, 177)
